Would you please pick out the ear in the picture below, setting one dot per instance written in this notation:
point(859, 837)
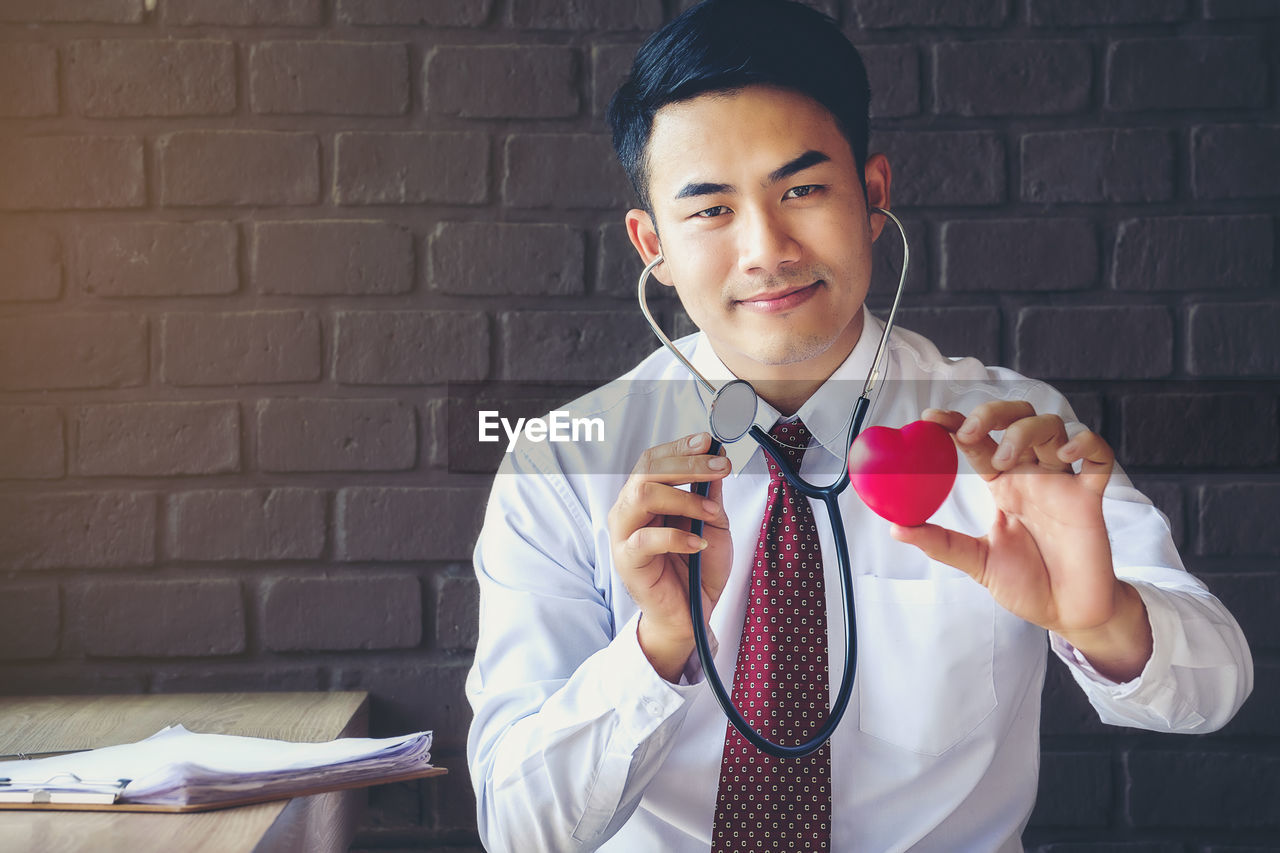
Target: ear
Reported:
point(644, 236)
point(879, 177)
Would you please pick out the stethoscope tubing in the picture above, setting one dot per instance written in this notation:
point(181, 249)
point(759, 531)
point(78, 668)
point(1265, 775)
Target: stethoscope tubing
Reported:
point(829, 495)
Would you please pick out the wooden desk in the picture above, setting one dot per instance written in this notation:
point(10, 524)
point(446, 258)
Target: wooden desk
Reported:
point(323, 822)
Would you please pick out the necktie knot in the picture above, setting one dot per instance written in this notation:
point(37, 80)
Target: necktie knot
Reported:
point(792, 439)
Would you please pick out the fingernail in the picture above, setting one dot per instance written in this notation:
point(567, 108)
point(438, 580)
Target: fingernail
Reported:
point(1069, 447)
point(927, 413)
point(709, 506)
point(695, 441)
point(701, 544)
point(1003, 453)
point(718, 464)
point(969, 427)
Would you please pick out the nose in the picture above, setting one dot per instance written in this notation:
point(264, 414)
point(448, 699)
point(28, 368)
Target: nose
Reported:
point(766, 243)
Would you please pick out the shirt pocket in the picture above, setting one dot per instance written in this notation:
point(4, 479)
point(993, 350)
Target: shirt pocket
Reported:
point(925, 655)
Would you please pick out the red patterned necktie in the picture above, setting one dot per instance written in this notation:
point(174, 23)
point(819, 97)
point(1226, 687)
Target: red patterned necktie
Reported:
point(780, 683)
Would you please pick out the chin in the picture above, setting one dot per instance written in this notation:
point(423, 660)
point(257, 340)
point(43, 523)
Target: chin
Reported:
point(792, 350)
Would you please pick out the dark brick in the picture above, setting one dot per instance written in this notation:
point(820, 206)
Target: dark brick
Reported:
point(330, 614)
point(643, 15)
point(332, 258)
point(957, 331)
point(1116, 342)
point(610, 66)
point(259, 13)
point(31, 444)
point(502, 81)
point(254, 678)
point(72, 11)
point(1229, 9)
point(961, 168)
point(336, 435)
point(1193, 253)
point(58, 678)
point(1088, 13)
point(438, 13)
point(133, 77)
point(455, 806)
point(1088, 409)
point(1186, 73)
point(1167, 498)
point(71, 172)
point(894, 73)
point(412, 168)
point(435, 428)
point(1250, 597)
point(31, 258)
point(1226, 340)
point(1111, 847)
point(410, 347)
point(619, 267)
point(1024, 255)
point(246, 524)
point(376, 523)
point(414, 697)
point(1187, 430)
point(50, 351)
point(992, 78)
point(157, 439)
point(1097, 165)
point(157, 259)
point(1239, 518)
point(188, 618)
point(1075, 789)
point(457, 612)
point(242, 348)
point(1167, 789)
point(28, 80)
point(71, 530)
point(334, 78)
point(563, 171)
point(571, 345)
point(238, 167)
point(30, 621)
point(1235, 161)
point(501, 259)
point(1260, 716)
point(885, 14)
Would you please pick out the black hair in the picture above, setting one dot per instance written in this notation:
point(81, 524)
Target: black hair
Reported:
point(726, 45)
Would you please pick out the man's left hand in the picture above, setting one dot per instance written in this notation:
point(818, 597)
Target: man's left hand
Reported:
point(1047, 558)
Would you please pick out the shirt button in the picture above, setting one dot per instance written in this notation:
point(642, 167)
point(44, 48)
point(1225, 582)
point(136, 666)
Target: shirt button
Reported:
point(652, 707)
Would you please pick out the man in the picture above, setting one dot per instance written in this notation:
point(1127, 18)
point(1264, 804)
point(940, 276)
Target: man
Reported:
point(743, 128)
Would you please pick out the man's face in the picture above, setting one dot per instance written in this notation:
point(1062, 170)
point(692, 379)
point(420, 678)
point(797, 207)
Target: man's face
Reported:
point(763, 225)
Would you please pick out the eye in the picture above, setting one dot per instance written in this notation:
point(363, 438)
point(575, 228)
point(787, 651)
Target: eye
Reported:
point(802, 191)
point(710, 212)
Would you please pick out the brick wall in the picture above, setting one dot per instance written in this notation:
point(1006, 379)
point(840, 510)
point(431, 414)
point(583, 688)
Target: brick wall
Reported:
point(246, 244)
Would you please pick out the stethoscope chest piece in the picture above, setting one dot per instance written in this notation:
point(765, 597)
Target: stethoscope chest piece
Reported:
point(732, 411)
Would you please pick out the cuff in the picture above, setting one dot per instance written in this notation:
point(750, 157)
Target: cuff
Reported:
point(1150, 682)
point(629, 673)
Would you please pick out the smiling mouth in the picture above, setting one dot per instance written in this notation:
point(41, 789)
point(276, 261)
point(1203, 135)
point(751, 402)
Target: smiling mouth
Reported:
point(780, 300)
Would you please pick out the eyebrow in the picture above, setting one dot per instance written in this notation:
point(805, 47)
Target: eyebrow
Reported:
point(806, 160)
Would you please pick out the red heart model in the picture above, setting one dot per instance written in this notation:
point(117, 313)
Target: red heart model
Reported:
point(905, 474)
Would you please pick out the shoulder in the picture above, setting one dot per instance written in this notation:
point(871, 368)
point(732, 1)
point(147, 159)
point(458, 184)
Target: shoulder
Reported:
point(960, 383)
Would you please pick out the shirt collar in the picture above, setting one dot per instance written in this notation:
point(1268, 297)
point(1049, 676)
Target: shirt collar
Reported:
point(826, 413)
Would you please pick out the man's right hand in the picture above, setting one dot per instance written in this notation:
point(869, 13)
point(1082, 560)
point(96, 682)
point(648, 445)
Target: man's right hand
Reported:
point(650, 540)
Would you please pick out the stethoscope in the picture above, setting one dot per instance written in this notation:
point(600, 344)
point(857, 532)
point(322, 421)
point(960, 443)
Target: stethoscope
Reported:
point(731, 416)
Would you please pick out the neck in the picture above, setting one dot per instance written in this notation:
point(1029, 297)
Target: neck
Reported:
point(787, 387)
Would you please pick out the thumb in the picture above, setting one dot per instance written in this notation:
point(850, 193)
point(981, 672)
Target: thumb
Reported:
point(956, 549)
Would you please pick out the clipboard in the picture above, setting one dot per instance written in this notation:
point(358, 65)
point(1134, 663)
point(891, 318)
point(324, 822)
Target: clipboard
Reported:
point(38, 804)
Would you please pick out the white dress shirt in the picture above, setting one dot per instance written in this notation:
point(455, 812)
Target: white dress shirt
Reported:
point(577, 744)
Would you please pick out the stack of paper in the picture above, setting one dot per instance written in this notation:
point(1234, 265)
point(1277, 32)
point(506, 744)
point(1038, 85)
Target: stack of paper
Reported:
point(177, 767)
